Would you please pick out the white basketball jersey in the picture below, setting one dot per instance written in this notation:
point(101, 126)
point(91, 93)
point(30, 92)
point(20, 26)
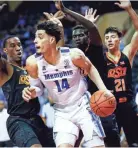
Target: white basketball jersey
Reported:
point(64, 82)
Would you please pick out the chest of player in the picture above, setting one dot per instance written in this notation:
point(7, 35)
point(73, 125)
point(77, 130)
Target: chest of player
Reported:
point(64, 73)
point(116, 71)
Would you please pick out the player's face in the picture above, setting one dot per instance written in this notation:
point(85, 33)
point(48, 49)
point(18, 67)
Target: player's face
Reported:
point(79, 37)
point(112, 41)
point(42, 41)
point(13, 49)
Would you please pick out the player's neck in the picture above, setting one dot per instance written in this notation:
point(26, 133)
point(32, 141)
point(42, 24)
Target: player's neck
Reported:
point(18, 63)
point(52, 56)
point(114, 52)
point(115, 55)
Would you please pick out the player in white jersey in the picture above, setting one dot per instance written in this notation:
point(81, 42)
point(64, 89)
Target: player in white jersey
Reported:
point(59, 71)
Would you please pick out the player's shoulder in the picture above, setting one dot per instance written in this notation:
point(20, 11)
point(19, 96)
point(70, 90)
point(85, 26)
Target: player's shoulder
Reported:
point(76, 50)
point(76, 53)
point(31, 62)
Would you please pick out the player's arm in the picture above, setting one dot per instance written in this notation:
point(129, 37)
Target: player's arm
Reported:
point(36, 88)
point(94, 34)
point(81, 61)
point(131, 49)
point(6, 70)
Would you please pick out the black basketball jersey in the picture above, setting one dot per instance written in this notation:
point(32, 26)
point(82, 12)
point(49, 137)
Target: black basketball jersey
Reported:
point(96, 56)
point(12, 90)
point(119, 77)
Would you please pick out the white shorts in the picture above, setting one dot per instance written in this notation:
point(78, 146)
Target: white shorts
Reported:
point(79, 117)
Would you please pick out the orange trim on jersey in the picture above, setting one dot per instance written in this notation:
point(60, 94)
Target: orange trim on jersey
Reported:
point(122, 100)
point(112, 60)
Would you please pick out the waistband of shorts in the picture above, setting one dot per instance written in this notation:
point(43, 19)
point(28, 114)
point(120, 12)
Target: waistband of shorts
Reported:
point(87, 94)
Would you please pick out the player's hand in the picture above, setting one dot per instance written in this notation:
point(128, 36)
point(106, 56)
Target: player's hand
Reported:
point(2, 6)
point(90, 14)
point(59, 15)
point(59, 5)
point(108, 92)
point(124, 4)
point(55, 18)
point(28, 93)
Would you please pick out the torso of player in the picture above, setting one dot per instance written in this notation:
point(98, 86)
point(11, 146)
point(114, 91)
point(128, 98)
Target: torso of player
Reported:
point(119, 77)
point(12, 90)
point(64, 82)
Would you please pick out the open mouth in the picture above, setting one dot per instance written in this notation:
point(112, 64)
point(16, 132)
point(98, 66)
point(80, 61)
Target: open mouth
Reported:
point(78, 43)
point(110, 45)
point(19, 54)
point(37, 47)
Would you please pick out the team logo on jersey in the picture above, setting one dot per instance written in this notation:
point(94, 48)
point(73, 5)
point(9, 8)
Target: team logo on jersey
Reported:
point(44, 68)
point(122, 63)
point(24, 79)
point(117, 72)
point(109, 64)
point(66, 63)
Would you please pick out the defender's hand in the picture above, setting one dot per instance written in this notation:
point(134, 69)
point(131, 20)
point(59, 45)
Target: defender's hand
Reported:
point(90, 14)
point(59, 5)
point(124, 4)
point(2, 6)
point(55, 18)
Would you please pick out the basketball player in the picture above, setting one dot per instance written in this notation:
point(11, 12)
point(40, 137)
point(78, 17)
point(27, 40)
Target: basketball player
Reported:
point(59, 71)
point(25, 127)
point(120, 75)
point(87, 38)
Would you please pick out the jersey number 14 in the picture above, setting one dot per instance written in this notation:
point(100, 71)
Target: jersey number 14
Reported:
point(64, 85)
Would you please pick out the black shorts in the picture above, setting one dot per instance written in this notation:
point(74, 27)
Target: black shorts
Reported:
point(127, 117)
point(27, 132)
point(110, 126)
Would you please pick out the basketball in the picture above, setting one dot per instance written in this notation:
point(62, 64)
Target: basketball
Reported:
point(102, 103)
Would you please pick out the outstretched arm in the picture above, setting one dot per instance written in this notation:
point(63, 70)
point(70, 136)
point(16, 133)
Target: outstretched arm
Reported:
point(95, 36)
point(131, 49)
point(56, 19)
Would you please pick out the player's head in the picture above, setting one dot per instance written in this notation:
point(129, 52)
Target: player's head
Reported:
point(47, 35)
point(80, 37)
point(13, 49)
point(112, 38)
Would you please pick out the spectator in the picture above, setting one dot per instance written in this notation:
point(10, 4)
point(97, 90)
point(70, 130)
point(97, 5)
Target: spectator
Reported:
point(4, 137)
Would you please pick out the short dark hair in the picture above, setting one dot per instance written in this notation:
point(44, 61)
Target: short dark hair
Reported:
point(6, 38)
point(80, 27)
point(113, 29)
point(51, 29)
